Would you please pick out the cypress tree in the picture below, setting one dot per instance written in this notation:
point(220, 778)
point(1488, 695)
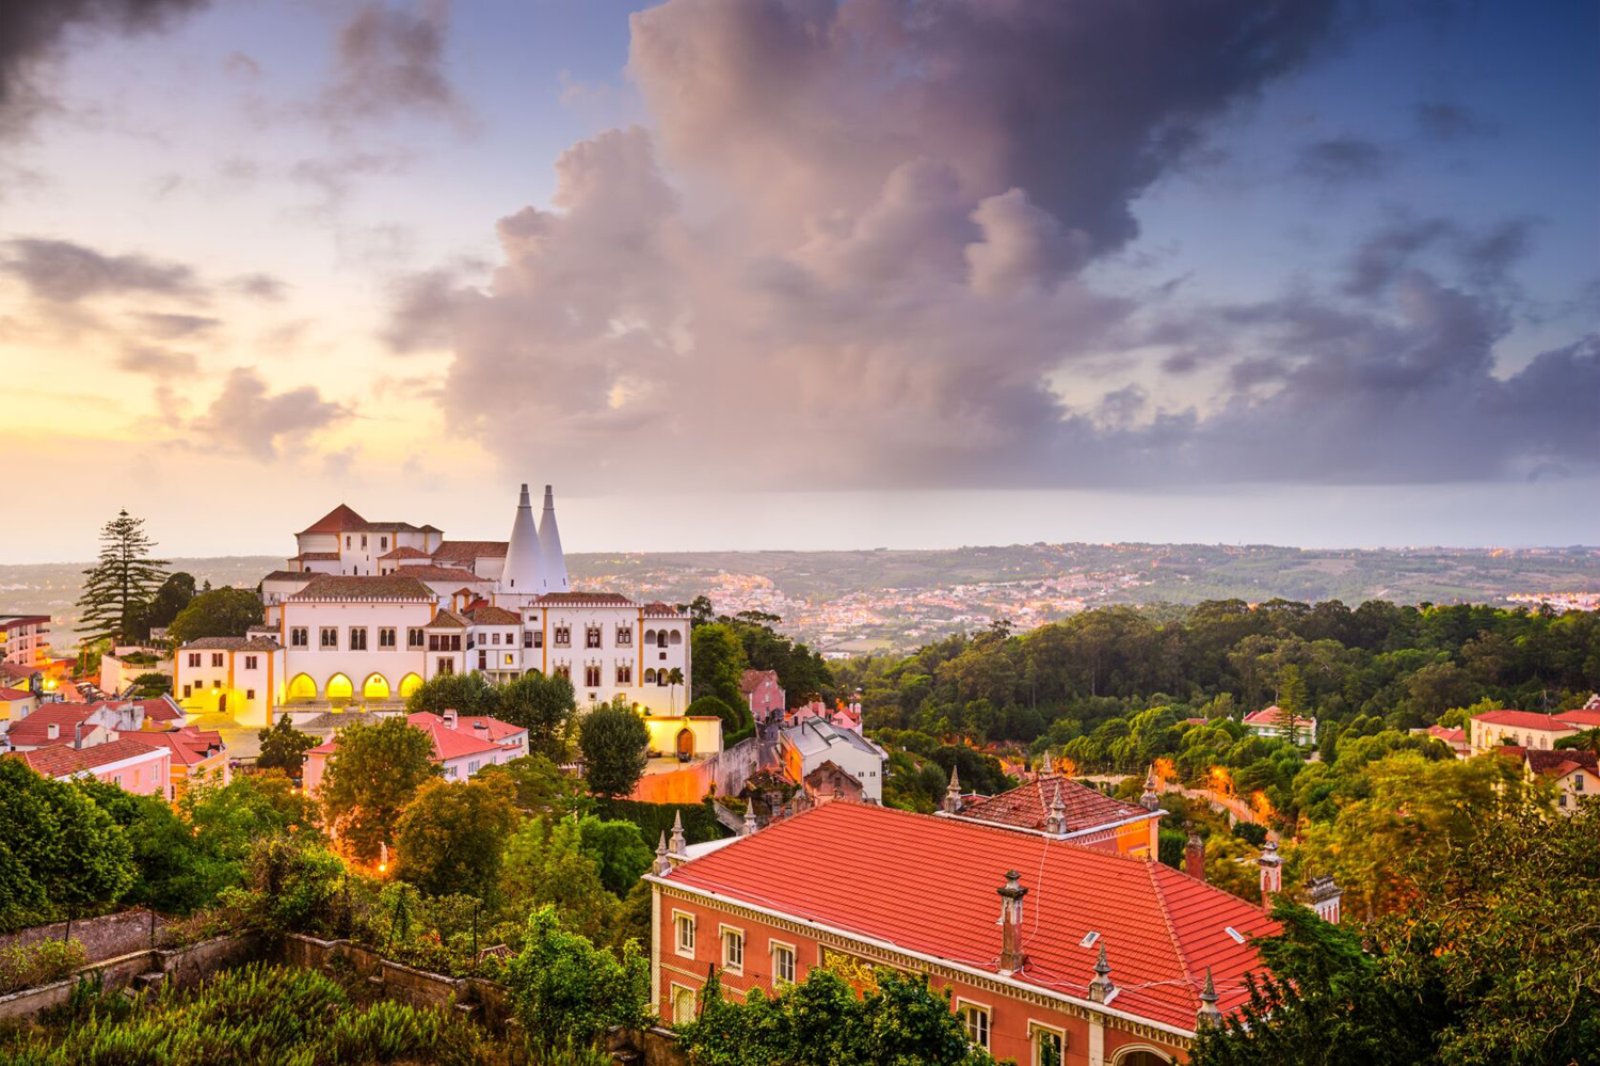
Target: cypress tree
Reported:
point(121, 585)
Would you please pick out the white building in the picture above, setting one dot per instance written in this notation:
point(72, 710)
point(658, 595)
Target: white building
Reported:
point(461, 746)
point(365, 612)
point(24, 639)
point(241, 676)
point(814, 741)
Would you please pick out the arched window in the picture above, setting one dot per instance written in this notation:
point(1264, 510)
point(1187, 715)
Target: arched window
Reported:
point(677, 638)
point(409, 684)
point(339, 688)
point(302, 688)
point(649, 637)
point(375, 687)
point(649, 677)
point(661, 639)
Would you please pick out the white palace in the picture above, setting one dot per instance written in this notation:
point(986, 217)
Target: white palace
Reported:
point(367, 611)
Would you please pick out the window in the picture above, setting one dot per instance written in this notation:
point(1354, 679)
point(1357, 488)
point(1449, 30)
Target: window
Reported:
point(591, 675)
point(472, 767)
point(455, 642)
point(682, 1005)
point(683, 927)
point(510, 660)
point(386, 638)
point(677, 638)
point(563, 636)
point(194, 659)
point(624, 673)
point(538, 638)
point(186, 689)
point(383, 544)
point(783, 964)
point(661, 639)
point(1049, 1045)
point(358, 638)
point(649, 677)
point(298, 637)
point(563, 670)
point(250, 662)
point(216, 660)
point(216, 683)
point(494, 638)
point(483, 659)
point(347, 541)
point(330, 637)
point(413, 637)
point(662, 677)
point(624, 636)
point(1577, 782)
point(447, 666)
point(733, 950)
point(591, 636)
point(249, 693)
point(527, 639)
point(976, 1020)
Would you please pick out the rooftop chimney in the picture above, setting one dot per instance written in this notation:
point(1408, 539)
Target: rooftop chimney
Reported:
point(449, 717)
point(1194, 856)
point(1208, 1014)
point(1326, 896)
point(52, 731)
point(77, 735)
point(1271, 873)
point(555, 562)
point(952, 795)
point(1011, 957)
point(1101, 989)
point(481, 727)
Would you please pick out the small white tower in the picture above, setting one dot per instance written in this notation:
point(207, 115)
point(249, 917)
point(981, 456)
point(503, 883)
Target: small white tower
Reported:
point(524, 573)
point(555, 563)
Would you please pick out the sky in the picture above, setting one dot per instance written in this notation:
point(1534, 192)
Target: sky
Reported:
point(802, 273)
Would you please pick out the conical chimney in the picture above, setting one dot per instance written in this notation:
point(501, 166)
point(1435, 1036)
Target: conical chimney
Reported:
point(555, 562)
point(524, 568)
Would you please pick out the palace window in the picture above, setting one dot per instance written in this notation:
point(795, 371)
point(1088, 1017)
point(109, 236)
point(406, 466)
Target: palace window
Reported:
point(649, 677)
point(783, 964)
point(563, 670)
point(363, 541)
point(386, 638)
point(624, 636)
point(563, 636)
point(194, 659)
point(663, 677)
point(383, 544)
point(661, 639)
point(538, 638)
point(733, 950)
point(624, 673)
point(1049, 1046)
point(414, 637)
point(330, 637)
point(447, 666)
point(591, 636)
point(591, 675)
point(358, 638)
point(527, 639)
point(216, 660)
point(250, 662)
point(299, 637)
point(976, 1020)
point(684, 926)
point(511, 660)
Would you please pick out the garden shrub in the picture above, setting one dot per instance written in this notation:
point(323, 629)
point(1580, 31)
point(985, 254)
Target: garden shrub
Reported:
point(27, 966)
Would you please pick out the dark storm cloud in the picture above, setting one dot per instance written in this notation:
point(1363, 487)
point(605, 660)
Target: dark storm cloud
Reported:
point(1343, 159)
point(858, 231)
point(34, 30)
point(390, 59)
point(247, 419)
point(66, 272)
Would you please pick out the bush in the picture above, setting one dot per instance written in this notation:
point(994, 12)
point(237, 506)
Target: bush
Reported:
point(568, 991)
point(1250, 833)
point(27, 966)
point(653, 819)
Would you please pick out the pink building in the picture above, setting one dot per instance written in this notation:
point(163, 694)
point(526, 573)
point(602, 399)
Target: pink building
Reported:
point(461, 746)
point(763, 693)
point(132, 765)
point(24, 639)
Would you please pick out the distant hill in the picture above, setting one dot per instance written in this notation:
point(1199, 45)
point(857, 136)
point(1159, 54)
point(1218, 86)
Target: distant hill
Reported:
point(862, 600)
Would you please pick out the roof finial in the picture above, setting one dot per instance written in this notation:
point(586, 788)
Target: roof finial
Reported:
point(1056, 822)
point(1101, 988)
point(676, 847)
point(952, 795)
point(663, 864)
point(1151, 798)
point(1208, 1014)
point(749, 818)
point(1048, 766)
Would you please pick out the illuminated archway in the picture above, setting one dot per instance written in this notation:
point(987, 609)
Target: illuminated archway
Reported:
point(339, 688)
point(375, 687)
point(409, 684)
point(302, 688)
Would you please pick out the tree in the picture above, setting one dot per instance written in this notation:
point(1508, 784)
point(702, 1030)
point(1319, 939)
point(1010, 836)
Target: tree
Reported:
point(370, 779)
point(225, 612)
point(544, 706)
point(451, 836)
point(541, 787)
point(1292, 704)
point(283, 747)
point(620, 853)
point(719, 662)
point(174, 871)
point(119, 587)
point(545, 865)
point(674, 681)
point(614, 742)
point(150, 686)
point(59, 852)
point(171, 598)
point(229, 819)
point(466, 694)
point(713, 707)
point(568, 991)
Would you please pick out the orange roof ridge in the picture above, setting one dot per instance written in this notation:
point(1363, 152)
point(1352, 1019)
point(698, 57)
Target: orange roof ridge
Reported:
point(1166, 916)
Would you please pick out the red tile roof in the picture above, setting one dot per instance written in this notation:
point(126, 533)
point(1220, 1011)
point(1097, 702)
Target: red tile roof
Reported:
point(18, 672)
point(583, 599)
point(9, 694)
point(489, 615)
point(496, 729)
point(65, 761)
point(1028, 806)
point(1585, 719)
point(927, 885)
point(1272, 716)
point(232, 644)
point(1561, 763)
point(384, 587)
point(337, 520)
point(439, 573)
point(156, 709)
point(1523, 720)
point(406, 553)
point(751, 680)
point(469, 551)
point(34, 730)
point(449, 743)
point(188, 745)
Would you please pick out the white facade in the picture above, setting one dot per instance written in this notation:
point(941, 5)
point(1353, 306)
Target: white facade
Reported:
point(241, 676)
point(815, 741)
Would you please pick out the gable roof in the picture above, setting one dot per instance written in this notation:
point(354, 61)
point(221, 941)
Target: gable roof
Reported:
point(440, 573)
point(1560, 763)
point(1273, 716)
point(406, 553)
point(337, 520)
point(1524, 720)
point(370, 587)
point(232, 644)
point(65, 760)
point(469, 551)
point(34, 730)
point(9, 694)
point(449, 743)
point(1028, 806)
point(927, 885)
point(494, 728)
point(490, 615)
point(751, 680)
point(1588, 718)
point(188, 745)
point(583, 599)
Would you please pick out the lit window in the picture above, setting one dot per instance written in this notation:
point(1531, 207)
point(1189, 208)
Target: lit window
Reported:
point(683, 924)
point(783, 964)
point(733, 950)
point(976, 1020)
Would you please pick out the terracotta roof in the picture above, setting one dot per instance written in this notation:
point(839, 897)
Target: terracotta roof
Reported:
point(18, 672)
point(751, 680)
point(1523, 720)
point(188, 745)
point(439, 573)
point(928, 885)
point(337, 520)
point(65, 760)
point(1272, 716)
point(156, 709)
point(494, 728)
point(381, 587)
point(657, 609)
point(318, 557)
point(448, 619)
point(232, 644)
point(34, 730)
point(1561, 763)
point(9, 694)
point(450, 743)
point(1028, 806)
point(1584, 719)
point(388, 527)
point(17, 621)
point(406, 553)
point(469, 551)
point(583, 599)
point(290, 575)
point(490, 615)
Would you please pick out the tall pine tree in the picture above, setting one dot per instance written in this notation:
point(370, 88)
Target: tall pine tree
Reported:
point(121, 585)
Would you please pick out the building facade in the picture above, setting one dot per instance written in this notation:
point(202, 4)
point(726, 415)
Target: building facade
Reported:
point(1063, 809)
point(805, 746)
point(1528, 729)
point(24, 639)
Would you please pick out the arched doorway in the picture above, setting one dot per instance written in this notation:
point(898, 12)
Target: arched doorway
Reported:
point(685, 744)
point(339, 688)
point(409, 684)
point(1141, 1057)
point(375, 687)
point(302, 688)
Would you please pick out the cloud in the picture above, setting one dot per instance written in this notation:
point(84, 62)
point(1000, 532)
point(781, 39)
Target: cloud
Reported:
point(390, 60)
point(174, 327)
point(853, 248)
point(157, 363)
point(1340, 160)
point(32, 31)
point(260, 286)
point(66, 272)
point(247, 419)
point(1442, 121)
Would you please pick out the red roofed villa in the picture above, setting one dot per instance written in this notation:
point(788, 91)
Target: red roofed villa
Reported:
point(1528, 729)
point(1063, 809)
point(461, 746)
point(1095, 957)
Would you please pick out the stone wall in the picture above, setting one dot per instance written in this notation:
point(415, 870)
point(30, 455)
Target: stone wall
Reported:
point(183, 967)
point(105, 937)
